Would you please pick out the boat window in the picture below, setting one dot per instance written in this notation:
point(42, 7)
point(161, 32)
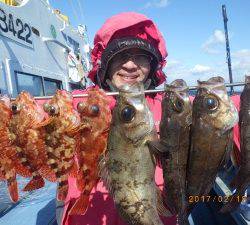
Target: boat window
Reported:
point(28, 82)
point(74, 86)
point(3, 87)
point(50, 86)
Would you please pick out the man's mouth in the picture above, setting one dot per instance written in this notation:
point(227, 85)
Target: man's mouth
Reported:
point(128, 77)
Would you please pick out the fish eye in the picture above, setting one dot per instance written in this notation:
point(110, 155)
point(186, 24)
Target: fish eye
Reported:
point(14, 108)
point(211, 103)
point(80, 107)
point(128, 113)
point(46, 107)
point(52, 110)
point(94, 110)
point(178, 105)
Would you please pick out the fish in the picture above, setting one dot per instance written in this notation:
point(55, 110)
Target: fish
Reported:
point(7, 168)
point(175, 139)
point(214, 116)
point(95, 122)
point(128, 166)
point(242, 178)
point(61, 138)
point(28, 139)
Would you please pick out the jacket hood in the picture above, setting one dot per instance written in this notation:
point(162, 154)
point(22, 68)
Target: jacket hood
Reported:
point(128, 25)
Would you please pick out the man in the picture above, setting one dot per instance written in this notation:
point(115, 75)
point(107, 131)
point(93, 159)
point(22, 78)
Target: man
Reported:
point(128, 48)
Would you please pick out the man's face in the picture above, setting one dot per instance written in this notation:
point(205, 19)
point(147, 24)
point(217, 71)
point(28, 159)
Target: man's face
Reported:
point(129, 66)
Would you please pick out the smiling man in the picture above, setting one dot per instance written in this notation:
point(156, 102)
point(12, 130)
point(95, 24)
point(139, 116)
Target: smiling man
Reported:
point(128, 48)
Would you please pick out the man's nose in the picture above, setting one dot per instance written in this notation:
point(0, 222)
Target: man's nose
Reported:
point(129, 65)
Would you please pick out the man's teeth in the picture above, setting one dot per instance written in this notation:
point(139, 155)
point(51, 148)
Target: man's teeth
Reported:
point(129, 77)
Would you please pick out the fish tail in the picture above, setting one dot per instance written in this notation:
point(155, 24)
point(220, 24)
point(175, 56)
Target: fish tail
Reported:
point(182, 219)
point(63, 187)
point(35, 183)
point(7, 172)
point(235, 181)
point(12, 184)
point(13, 188)
point(234, 200)
point(2, 177)
point(81, 205)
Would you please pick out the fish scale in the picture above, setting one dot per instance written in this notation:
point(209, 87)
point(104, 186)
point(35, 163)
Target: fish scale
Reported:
point(128, 167)
point(242, 178)
point(95, 121)
point(174, 139)
point(28, 140)
point(61, 138)
point(214, 116)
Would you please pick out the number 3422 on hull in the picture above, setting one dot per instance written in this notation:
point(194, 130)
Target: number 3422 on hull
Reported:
point(15, 28)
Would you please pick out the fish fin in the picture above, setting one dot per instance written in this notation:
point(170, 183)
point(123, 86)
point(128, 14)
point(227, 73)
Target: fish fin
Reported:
point(43, 123)
point(80, 182)
point(162, 209)
point(13, 190)
point(158, 148)
point(63, 187)
point(81, 205)
point(2, 177)
point(237, 180)
point(74, 170)
point(21, 170)
point(47, 173)
point(74, 130)
point(230, 206)
point(35, 183)
point(234, 199)
point(104, 173)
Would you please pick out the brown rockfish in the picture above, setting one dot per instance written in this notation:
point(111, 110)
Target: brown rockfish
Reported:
point(28, 139)
point(129, 166)
point(242, 179)
point(214, 116)
point(61, 138)
point(7, 152)
point(174, 137)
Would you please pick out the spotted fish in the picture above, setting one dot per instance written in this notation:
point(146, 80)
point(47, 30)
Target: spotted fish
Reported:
point(95, 121)
point(214, 116)
point(61, 138)
point(242, 179)
point(128, 167)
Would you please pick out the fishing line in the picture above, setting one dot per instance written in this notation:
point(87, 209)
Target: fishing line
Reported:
point(74, 11)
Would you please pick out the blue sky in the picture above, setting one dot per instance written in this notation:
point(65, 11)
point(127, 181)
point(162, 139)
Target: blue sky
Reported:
point(193, 30)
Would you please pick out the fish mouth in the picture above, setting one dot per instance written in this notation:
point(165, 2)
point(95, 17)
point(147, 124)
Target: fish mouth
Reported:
point(128, 77)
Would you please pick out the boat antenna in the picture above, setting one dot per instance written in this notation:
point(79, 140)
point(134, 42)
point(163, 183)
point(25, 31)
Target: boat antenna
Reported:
point(225, 19)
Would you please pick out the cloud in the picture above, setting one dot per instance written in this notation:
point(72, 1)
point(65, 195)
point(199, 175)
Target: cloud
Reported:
point(242, 53)
point(213, 45)
point(157, 4)
point(241, 62)
point(200, 69)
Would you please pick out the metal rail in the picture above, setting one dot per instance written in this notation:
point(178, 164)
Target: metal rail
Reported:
point(146, 91)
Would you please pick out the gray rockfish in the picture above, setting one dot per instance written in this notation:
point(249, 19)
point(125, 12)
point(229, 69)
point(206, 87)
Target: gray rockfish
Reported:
point(242, 179)
point(214, 116)
point(174, 137)
point(128, 167)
